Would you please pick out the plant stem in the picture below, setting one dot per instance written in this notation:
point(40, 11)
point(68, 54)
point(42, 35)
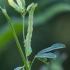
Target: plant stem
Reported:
point(16, 39)
point(23, 16)
point(32, 61)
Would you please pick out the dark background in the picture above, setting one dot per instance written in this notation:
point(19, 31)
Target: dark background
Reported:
point(48, 29)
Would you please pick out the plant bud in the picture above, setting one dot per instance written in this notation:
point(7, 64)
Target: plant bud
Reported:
point(15, 6)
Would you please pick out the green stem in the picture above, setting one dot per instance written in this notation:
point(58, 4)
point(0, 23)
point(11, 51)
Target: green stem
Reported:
point(23, 16)
point(16, 39)
point(32, 61)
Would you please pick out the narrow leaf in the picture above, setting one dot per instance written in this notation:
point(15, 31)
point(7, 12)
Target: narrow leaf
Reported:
point(18, 68)
point(27, 41)
point(43, 59)
point(53, 47)
point(28, 50)
point(14, 5)
point(20, 4)
point(29, 7)
point(46, 55)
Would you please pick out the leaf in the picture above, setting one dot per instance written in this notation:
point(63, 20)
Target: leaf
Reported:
point(14, 5)
point(21, 4)
point(29, 7)
point(43, 59)
point(53, 47)
point(46, 55)
point(18, 68)
point(28, 50)
point(27, 41)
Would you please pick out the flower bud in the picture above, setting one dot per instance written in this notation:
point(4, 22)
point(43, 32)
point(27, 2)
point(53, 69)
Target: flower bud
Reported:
point(21, 4)
point(15, 6)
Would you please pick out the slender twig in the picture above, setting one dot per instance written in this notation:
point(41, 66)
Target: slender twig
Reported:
point(16, 39)
point(32, 61)
point(23, 17)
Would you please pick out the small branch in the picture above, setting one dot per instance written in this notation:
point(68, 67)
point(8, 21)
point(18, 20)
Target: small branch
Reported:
point(32, 61)
point(23, 17)
point(15, 37)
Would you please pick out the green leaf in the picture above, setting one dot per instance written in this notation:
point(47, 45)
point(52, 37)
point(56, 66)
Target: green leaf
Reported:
point(46, 55)
point(43, 59)
point(53, 47)
point(21, 4)
point(14, 5)
point(27, 41)
point(29, 7)
point(28, 50)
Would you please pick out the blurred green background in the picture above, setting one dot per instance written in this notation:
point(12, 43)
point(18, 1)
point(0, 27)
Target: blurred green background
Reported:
point(51, 25)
